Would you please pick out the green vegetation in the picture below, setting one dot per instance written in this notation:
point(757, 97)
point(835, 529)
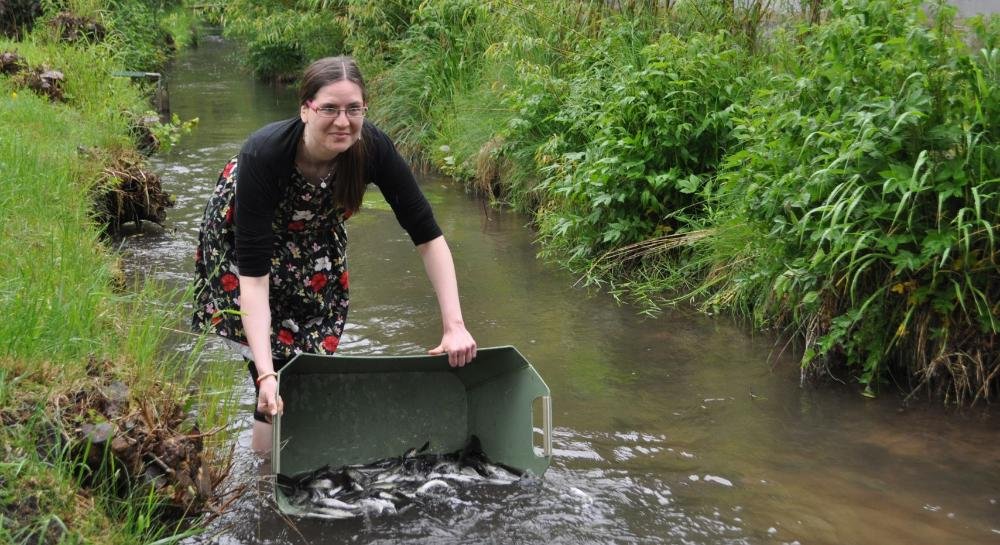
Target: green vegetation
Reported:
point(868, 181)
point(281, 36)
point(180, 24)
point(86, 392)
point(829, 172)
point(139, 34)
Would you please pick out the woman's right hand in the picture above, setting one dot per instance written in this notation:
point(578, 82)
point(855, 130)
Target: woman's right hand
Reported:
point(269, 402)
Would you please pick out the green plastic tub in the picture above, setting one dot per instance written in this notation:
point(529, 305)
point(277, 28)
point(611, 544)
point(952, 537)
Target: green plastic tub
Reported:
point(357, 409)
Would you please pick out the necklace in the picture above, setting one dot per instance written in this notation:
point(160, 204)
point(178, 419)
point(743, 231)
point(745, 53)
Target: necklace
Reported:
point(324, 179)
point(308, 170)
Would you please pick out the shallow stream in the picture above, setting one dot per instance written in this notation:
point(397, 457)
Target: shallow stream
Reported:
point(678, 429)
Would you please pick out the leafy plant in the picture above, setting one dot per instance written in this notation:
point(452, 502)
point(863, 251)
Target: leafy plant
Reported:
point(651, 141)
point(170, 133)
point(874, 172)
point(281, 37)
point(831, 172)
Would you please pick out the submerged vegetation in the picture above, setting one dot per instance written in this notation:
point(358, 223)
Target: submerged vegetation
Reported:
point(100, 439)
point(828, 170)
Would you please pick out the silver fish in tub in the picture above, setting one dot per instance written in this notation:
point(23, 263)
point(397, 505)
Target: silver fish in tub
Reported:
point(394, 484)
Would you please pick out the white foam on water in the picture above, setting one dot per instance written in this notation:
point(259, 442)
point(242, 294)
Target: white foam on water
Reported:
point(719, 480)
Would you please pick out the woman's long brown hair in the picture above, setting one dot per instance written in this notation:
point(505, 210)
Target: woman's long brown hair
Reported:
point(349, 188)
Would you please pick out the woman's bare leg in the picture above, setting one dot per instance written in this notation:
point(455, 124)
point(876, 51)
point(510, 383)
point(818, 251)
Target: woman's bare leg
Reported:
point(261, 442)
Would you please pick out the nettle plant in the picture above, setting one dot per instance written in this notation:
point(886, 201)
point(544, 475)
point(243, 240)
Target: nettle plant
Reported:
point(873, 172)
point(560, 86)
point(651, 142)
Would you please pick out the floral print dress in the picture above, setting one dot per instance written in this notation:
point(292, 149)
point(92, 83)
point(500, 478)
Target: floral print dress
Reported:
point(308, 271)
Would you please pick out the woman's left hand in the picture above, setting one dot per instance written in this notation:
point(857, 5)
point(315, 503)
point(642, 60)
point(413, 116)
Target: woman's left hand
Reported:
point(458, 344)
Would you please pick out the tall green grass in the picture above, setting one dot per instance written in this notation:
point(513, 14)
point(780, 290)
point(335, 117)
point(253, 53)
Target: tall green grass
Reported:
point(64, 307)
point(56, 296)
point(141, 35)
point(181, 24)
point(825, 169)
point(439, 57)
point(870, 178)
point(282, 37)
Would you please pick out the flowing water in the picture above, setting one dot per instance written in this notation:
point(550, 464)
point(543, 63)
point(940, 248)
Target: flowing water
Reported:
point(678, 429)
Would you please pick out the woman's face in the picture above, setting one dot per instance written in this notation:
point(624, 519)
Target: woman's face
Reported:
point(329, 136)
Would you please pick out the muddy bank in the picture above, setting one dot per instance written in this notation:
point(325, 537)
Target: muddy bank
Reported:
point(41, 79)
point(127, 438)
point(128, 192)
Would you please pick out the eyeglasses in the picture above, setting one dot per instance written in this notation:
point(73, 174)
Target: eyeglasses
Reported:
point(353, 112)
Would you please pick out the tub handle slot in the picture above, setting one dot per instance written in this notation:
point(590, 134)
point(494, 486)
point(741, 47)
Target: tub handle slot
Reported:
point(547, 426)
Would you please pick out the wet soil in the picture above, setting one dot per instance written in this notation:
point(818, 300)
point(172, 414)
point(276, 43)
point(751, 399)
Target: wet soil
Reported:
point(41, 79)
point(130, 439)
point(128, 192)
point(74, 28)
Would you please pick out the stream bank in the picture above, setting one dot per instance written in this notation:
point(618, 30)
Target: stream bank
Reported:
point(99, 440)
point(677, 429)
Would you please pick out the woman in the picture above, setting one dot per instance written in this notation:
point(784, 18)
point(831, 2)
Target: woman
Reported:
point(271, 268)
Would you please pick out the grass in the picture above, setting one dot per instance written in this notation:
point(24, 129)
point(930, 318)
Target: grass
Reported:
point(181, 23)
point(71, 331)
point(827, 170)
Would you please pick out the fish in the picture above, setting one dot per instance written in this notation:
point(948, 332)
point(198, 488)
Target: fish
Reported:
point(334, 503)
point(431, 485)
point(335, 514)
point(392, 485)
